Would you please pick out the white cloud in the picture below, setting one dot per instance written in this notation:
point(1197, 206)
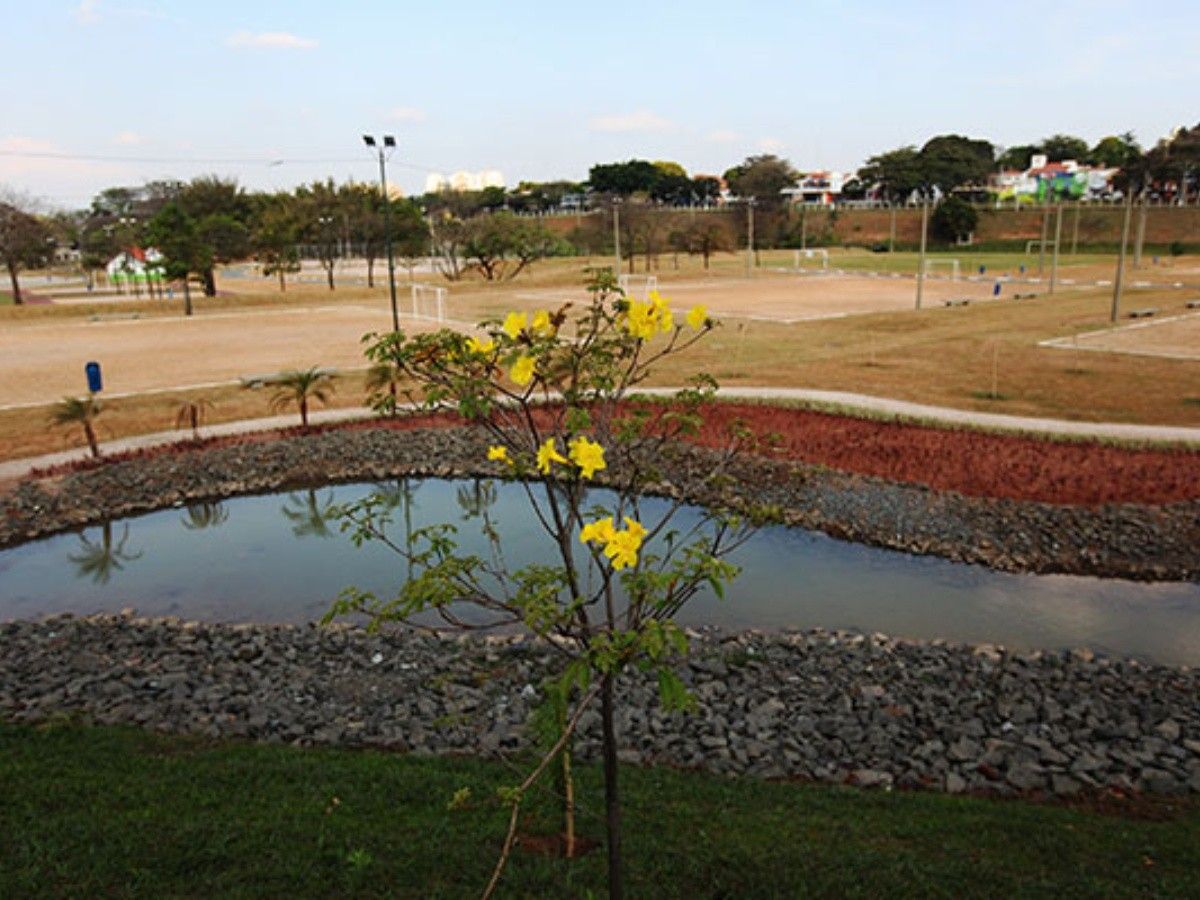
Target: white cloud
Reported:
point(129, 138)
point(270, 39)
point(642, 120)
point(87, 12)
point(406, 114)
point(770, 145)
point(722, 136)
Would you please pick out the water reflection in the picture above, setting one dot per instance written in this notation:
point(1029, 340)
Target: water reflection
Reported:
point(98, 561)
point(200, 516)
point(310, 515)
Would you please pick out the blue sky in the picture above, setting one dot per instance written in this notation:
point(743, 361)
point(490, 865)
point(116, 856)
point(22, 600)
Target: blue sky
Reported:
point(543, 90)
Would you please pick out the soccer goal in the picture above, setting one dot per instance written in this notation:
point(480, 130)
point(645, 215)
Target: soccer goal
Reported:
point(804, 255)
point(931, 266)
point(638, 286)
point(429, 302)
point(1041, 245)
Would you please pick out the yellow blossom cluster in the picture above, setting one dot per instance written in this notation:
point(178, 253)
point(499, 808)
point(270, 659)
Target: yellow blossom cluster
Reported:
point(585, 453)
point(621, 547)
point(645, 319)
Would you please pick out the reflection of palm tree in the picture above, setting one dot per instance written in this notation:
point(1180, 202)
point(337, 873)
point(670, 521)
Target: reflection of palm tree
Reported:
point(205, 515)
point(310, 516)
point(99, 561)
point(400, 493)
point(476, 499)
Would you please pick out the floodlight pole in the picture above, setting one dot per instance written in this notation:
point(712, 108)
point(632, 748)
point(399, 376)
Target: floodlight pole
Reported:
point(750, 237)
point(1116, 302)
point(921, 259)
point(388, 142)
point(617, 236)
point(1042, 243)
point(1057, 238)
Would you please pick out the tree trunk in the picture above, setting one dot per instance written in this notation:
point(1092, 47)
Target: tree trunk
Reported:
point(187, 297)
point(329, 274)
point(612, 800)
point(210, 283)
point(282, 283)
point(304, 413)
point(90, 434)
point(370, 271)
point(16, 288)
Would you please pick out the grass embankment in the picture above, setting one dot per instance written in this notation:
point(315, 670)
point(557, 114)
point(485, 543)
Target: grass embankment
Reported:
point(117, 812)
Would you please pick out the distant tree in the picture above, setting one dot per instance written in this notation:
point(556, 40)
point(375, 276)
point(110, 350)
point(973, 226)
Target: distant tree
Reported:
point(301, 387)
point(321, 206)
point(1059, 147)
point(81, 411)
point(502, 245)
point(174, 234)
point(1016, 158)
point(25, 241)
point(706, 189)
point(1115, 151)
point(493, 197)
point(221, 211)
point(635, 176)
point(762, 177)
point(410, 234)
point(953, 219)
point(707, 235)
point(896, 173)
point(275, 236)
point(448, 235)
point(950, 161)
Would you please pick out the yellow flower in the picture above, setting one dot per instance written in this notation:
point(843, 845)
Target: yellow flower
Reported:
point(666, 319)
point(600, 531)
point(477, 346)
point(498, 453)
point(622, 549)
point(542, 324)
point(522, 370)
point(697, 316)
point(514, 324)
point(548, 453)
point(640, 320)
point(588, 455)
point(634, 527)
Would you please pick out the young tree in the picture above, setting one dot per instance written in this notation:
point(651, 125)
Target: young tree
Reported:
point(707, 235)
point(502, 245)
point(81, 411)
point(174, 234)
point(25, 241)
point(322, 204)
point(410, 234)
point(953, 219)
point(620, 573)
point(301, 387)
point(275, 236)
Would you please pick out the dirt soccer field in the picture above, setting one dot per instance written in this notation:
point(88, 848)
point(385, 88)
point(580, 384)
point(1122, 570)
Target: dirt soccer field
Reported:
point(802, 298)
point(1177, 337)
point(42, 363)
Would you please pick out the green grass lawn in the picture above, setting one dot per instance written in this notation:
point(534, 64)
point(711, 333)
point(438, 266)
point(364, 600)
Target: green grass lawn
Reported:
point(115, 812)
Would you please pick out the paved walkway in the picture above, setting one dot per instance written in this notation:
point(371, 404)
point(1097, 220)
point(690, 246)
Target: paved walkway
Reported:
point(18, 468)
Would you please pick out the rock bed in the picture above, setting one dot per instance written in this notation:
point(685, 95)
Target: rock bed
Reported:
point(1112, 540)
point(829, 706)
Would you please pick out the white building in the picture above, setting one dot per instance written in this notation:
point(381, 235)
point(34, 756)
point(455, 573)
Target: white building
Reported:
point(818, 188)
point(135, 265)
point(463, 181)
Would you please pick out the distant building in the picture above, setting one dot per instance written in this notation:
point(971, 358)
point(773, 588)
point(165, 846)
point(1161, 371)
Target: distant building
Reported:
point(1063, 179)
point(822, 188)
point(135, 266)
point(463, 181)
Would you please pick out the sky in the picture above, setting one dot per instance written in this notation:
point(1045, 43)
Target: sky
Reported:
point(96, 93)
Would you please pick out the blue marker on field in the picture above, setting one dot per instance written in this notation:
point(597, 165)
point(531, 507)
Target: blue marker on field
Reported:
point(92, 370)
point(983, 270)
point(996, 289)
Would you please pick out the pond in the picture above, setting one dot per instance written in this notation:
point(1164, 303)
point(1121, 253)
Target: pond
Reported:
point(278, 558)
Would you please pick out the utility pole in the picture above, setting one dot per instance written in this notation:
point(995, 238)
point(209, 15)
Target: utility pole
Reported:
point(921, 260)
point(617, 236)
point(804, 227)
point(1143, 213)
point(389, 143)
point(1042, 244)
point(1057, 238)
point(892, 231)
point(750, 237)
point(1075, 230)
point(1116, 302)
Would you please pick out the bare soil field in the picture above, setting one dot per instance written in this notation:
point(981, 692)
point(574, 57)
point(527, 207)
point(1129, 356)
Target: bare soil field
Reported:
point(1175, 337)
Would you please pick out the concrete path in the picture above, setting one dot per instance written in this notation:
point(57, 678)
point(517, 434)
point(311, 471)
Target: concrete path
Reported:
point(19, 468)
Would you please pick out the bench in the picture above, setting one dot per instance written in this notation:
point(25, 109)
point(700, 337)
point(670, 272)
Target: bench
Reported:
point(959, 302)
point(1193, 304)
point(1143, 313)
point(113, 317)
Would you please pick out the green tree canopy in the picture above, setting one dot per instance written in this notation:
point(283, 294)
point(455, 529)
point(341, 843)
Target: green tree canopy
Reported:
point(1059, 147)
point(762, 177)
point(897, 173)
point(950, 161)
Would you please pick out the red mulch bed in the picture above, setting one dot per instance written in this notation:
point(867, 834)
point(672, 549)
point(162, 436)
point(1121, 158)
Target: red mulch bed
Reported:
point(974, 463)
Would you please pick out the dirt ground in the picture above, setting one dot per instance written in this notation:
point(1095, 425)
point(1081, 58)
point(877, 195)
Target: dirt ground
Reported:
point(804, 298)
point(44, 362)
point(1176, 337)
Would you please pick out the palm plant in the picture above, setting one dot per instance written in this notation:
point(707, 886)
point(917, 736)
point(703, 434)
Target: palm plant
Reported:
point(300, 386)
point(383, 385)
point(79, 411)
point(191, 413)
point(204, 515)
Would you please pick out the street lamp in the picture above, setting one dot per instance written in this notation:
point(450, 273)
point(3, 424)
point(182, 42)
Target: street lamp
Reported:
point(389, 144)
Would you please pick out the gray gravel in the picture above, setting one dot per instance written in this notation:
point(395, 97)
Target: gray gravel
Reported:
point(829, 706)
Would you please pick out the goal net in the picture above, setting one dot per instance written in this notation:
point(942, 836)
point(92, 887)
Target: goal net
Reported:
point(803, 256)
point(638, 286)
point(931, 267)
point(429, 302)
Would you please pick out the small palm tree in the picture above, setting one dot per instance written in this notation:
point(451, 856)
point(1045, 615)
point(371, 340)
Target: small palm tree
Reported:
point(191, 413)
point(79, 411)
point(204, 515)
point(383, 385)
point(300, 386)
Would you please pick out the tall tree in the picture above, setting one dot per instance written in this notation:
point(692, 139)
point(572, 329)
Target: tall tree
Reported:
point(762, 177)
point(1018, 157)
point(221, 211)
point(275, 237)
point(897, 173)
point(635, 176)
point(1059, 147)
point(322, 205)
point(25, 241)
point(950, 161)
point(1115, 151)
point(185, 253)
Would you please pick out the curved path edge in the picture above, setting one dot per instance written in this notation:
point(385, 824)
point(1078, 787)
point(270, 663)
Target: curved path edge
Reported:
point(845, 401)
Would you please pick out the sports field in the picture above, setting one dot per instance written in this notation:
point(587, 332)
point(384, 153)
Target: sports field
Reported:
point(1174, 337)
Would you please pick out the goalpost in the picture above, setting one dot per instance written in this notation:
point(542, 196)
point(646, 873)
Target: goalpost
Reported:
point(638, 286)
point(429, 302)
point(817, 253)
point(1040, 244)
point(931, 264)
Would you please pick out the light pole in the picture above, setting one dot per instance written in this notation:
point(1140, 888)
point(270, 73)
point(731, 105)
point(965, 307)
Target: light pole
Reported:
point(617, 237)
point(750, 201)
point(389, 143)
